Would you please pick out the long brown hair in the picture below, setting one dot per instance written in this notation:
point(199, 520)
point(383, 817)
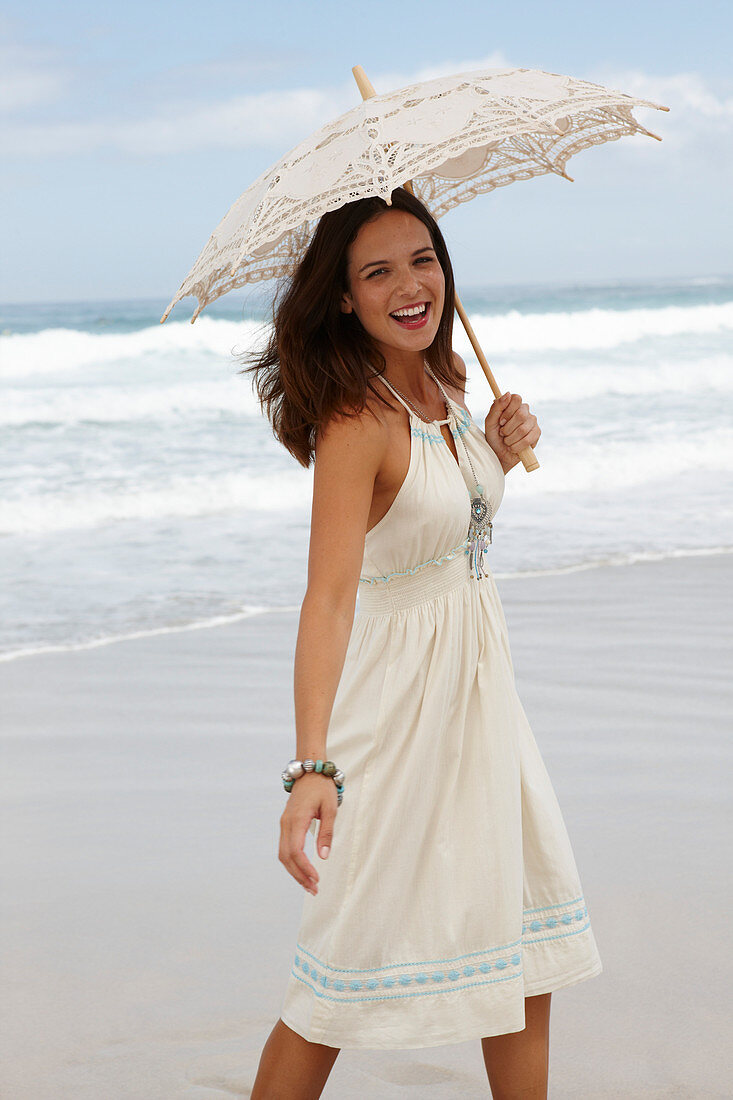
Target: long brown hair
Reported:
point(318, 359)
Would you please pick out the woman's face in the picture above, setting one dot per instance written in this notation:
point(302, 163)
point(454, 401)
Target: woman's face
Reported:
point(392, 266)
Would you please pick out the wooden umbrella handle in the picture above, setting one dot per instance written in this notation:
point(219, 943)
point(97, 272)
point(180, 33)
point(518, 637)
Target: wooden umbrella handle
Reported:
point(527, 456)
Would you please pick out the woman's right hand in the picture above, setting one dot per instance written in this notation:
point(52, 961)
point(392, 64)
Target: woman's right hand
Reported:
point(312, 796)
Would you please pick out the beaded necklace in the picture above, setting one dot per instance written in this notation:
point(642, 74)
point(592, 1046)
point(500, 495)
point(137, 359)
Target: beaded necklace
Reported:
point(480, 530)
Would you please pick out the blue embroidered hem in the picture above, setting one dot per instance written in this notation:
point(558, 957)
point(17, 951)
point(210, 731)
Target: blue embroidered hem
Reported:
point(433, 976)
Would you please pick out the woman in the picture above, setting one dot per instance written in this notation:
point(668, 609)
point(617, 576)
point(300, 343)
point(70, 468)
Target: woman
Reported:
point(446, 904)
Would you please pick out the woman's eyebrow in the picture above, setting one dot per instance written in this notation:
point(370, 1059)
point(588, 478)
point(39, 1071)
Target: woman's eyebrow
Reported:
point(376, 263)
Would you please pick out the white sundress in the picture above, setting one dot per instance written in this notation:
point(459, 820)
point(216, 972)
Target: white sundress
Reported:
point(451, 891)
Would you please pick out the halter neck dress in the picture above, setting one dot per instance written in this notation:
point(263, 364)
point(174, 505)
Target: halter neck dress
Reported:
point(451, 892)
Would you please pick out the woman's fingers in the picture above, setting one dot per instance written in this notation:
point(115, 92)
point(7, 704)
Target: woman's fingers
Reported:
point(300, 872)
point(292, 854)
point(509, 412)
point(519, 426)
point(524, 436)
point(305, 805)
point(514, 415)
point(531, 439)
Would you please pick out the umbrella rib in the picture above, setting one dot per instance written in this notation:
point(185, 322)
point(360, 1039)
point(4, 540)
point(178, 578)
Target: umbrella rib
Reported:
point(527, 115)
point(628, 120)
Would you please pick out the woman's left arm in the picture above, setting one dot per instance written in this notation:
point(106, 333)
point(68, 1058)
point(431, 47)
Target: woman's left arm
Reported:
point(509, 428)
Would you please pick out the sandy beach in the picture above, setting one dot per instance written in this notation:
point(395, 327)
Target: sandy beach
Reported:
point(147, 925)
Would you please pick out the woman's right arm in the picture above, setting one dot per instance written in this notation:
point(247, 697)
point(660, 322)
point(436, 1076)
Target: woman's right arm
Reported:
point(348, 456)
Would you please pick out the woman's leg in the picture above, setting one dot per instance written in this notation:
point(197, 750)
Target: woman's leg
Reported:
point(291, 1068)
point(518, 1063)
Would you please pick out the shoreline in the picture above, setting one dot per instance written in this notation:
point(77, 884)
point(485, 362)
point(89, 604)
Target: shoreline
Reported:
point(215, 621)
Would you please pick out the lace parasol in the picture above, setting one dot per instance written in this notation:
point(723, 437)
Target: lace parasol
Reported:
point(455, 137)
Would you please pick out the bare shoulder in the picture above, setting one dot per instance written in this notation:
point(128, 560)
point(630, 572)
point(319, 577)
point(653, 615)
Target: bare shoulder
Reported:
point(349, 451)
point(352, 440)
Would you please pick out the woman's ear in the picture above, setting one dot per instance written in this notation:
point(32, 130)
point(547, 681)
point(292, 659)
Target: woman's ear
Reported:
point(347, 305)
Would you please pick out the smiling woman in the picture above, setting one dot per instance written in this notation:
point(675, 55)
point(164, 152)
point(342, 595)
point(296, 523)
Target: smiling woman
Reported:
point(447, 904)
point(323, 319)
point(379, 288)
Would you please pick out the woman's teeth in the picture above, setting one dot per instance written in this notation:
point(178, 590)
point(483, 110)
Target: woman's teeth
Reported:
point(413, 316)
point(411, 311)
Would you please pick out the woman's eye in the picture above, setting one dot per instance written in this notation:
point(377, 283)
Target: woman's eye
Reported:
point(419, 260)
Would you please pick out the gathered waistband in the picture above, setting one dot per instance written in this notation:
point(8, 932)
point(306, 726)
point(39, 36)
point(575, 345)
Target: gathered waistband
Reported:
point(409, 590)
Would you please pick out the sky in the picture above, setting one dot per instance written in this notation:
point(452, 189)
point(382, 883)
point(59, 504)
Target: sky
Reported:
point(127, 131)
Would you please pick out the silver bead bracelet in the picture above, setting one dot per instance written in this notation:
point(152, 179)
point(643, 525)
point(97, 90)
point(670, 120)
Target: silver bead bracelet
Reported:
point(295, 768)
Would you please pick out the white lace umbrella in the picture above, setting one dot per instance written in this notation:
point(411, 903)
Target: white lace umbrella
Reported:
point(454, 138)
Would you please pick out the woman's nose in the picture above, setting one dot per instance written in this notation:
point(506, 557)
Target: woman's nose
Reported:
point(409, 282)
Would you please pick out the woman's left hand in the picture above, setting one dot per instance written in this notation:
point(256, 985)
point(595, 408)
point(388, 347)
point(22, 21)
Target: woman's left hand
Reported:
point(509, 428)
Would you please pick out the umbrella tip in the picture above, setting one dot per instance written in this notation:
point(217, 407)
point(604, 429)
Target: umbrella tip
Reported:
point(649, 133)
point(362, 82)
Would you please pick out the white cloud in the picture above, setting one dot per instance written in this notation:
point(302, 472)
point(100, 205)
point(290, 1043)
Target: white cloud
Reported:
point(386, 81)
point(275, 118)
point(681, 92)
point(700, 116)
point(28, 78)
point(236, 123)
point(697, 132)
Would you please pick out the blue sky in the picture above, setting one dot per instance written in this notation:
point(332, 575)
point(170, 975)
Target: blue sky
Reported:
point(127, 132)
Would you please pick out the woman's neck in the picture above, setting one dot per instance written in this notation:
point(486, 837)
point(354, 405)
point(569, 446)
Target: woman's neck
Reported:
point(407, 373)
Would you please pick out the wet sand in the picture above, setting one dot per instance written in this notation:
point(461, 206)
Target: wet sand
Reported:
point(147, 925)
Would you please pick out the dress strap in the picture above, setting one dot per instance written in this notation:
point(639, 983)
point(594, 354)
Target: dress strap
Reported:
point(394, 391)
point(439, 383)
point(449, 403)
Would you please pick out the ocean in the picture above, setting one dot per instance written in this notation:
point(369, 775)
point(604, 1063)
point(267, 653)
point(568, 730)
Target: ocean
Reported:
point(143, 491)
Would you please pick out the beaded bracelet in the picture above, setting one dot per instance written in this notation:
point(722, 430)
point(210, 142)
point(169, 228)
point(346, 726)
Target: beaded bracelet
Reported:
point(295, 768)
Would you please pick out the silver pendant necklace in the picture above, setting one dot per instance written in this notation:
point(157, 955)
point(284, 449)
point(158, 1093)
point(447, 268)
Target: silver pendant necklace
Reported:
point(480, 530)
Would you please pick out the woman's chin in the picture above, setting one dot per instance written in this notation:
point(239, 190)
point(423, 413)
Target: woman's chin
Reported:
point(420, 340)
